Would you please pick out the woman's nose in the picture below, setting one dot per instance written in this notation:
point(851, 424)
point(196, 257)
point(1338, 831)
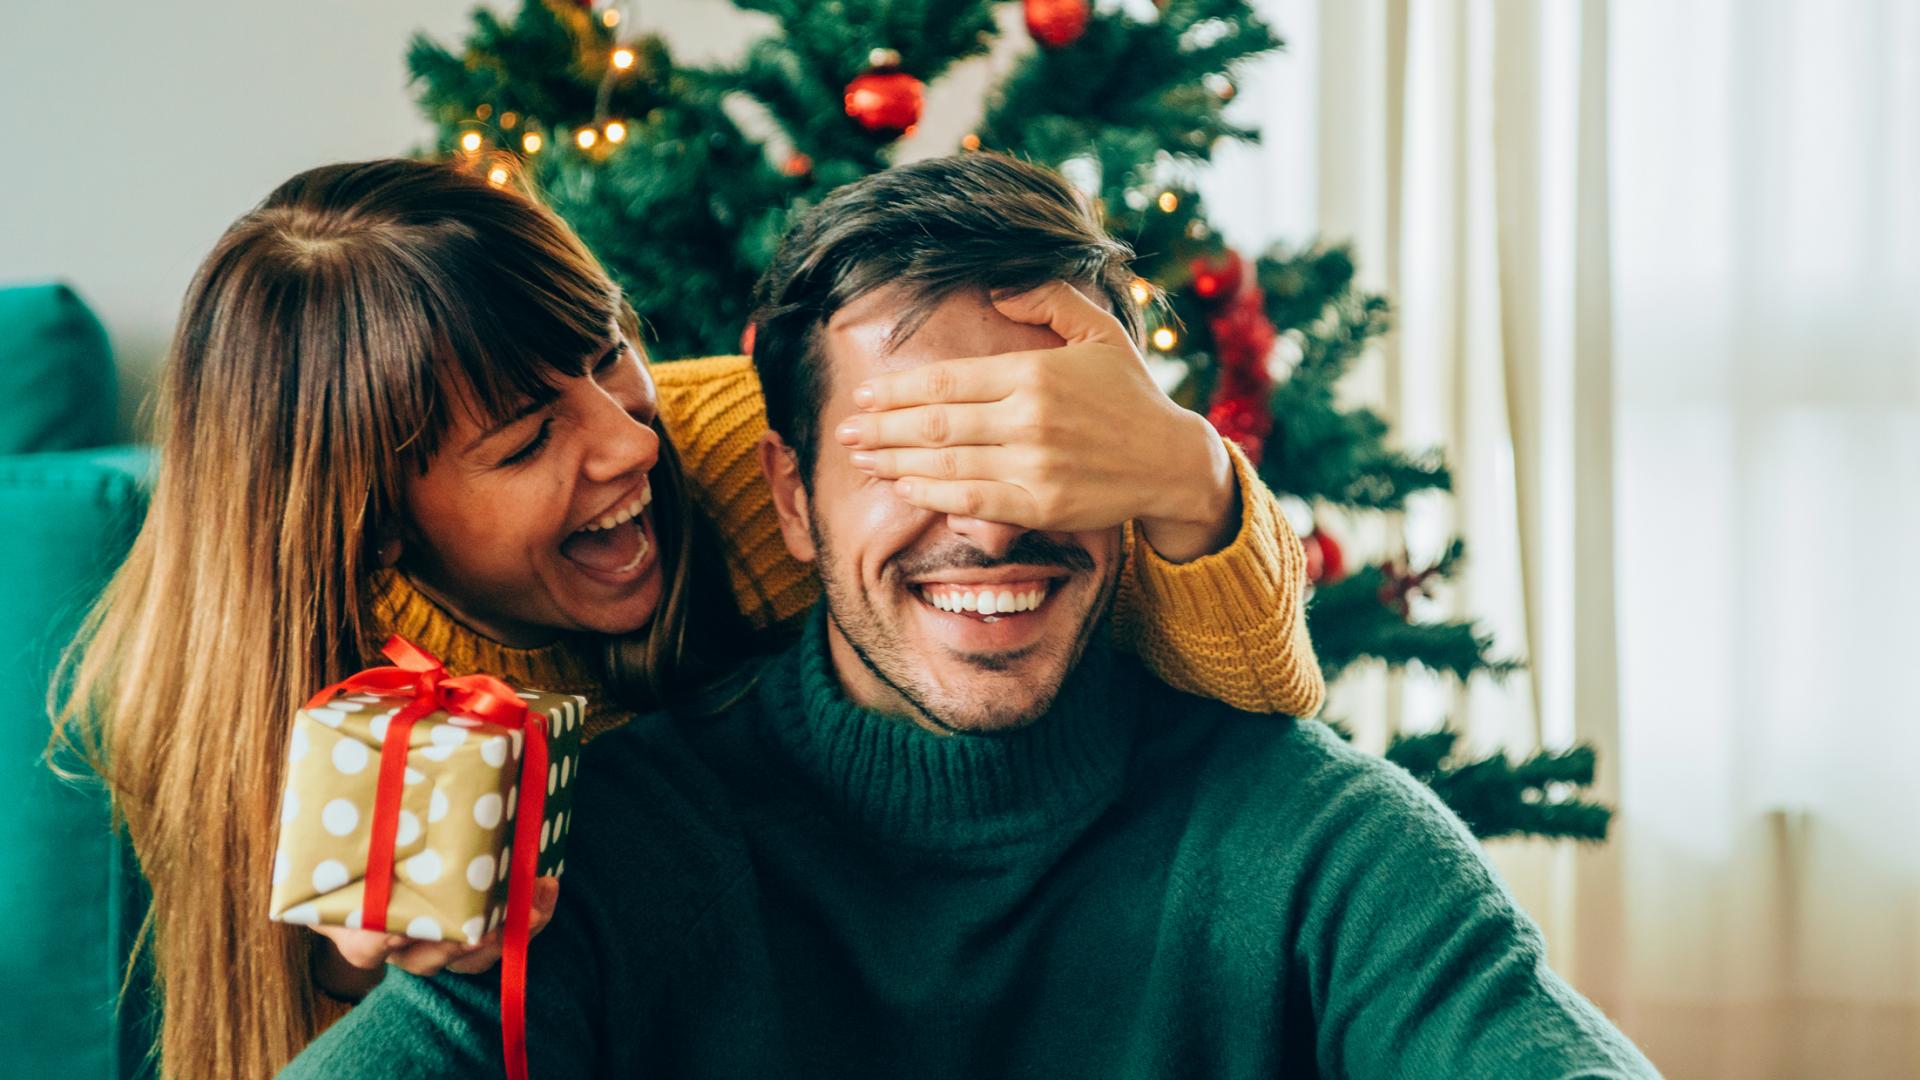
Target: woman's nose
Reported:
point(617, 443)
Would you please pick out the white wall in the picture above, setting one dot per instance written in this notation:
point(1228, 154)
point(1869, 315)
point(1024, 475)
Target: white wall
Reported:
point(135, 132)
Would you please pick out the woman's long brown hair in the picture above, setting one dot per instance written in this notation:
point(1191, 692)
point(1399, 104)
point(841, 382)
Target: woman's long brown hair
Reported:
point(309, 372)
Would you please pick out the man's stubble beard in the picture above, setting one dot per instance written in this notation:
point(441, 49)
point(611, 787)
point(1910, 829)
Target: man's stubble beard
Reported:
point(880, 652)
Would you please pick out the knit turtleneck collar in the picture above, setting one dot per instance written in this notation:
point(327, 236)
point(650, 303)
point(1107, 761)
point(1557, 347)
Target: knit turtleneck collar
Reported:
point(910, 786)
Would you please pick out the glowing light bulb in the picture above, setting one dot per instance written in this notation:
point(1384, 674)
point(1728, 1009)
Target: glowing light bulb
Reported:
point(470, 142)
point(1169, 202)
point(970, 141)
point(1165, 339)
point(616, 131)
point(610, 18)
point(623, 58)
point(586, 137)
point(1139, 290)
point(497, 175)
point(531, 142)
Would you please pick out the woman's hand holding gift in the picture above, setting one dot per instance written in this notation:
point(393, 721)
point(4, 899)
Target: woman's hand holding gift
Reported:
point(350, 963)
point(1066, 439)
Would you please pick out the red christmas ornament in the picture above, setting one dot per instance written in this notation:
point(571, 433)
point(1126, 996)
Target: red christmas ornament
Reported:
point(746, 340)
point(1057, 23)
point(1218, 277)
point(1243, 335)
point(886, 101)
point(1244, 418)
point(1401, 584)
point(1325, 561)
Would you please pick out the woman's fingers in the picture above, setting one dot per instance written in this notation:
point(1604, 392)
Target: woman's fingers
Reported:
point(976, 378)
point(931, 425)
point(1067, 312)
point(991, 500)
point(947, 463)
point(364, 949)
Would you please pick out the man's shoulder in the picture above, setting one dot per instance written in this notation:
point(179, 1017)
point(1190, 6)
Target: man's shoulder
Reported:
point(1301, 769)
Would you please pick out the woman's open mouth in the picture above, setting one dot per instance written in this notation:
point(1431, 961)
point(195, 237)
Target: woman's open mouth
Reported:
point(617, 547)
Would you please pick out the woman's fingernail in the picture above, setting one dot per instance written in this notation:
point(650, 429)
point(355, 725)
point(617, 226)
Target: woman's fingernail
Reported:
point(863, 396)
point(862, 459)
point(904, 487)
point(848, 433)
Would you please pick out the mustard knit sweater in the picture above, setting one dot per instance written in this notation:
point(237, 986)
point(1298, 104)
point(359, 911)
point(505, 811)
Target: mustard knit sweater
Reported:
point(1229, 626)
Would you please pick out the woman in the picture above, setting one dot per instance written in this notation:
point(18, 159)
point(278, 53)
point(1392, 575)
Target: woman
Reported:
point(402, 399)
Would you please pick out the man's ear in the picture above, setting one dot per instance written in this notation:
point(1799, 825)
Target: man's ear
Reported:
point(781, 467)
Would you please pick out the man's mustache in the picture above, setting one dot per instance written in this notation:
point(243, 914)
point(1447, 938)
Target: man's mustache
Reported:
point(1032, 549)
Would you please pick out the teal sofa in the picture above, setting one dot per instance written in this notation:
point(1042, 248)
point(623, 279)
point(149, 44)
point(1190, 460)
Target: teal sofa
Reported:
point(71, 897)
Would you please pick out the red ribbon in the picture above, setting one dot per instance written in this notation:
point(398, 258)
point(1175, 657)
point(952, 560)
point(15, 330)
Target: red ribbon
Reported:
point(486, 698)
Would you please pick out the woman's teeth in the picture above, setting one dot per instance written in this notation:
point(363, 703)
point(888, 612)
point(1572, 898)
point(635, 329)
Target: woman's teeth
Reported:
point(998, 601)
point(622, 514)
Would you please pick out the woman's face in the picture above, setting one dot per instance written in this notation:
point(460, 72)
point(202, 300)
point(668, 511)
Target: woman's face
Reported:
point(541, 524)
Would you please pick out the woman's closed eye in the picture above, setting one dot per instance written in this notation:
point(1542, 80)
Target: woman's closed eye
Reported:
point(532, 447)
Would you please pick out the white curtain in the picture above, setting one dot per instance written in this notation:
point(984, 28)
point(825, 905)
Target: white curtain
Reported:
point(1658, 274)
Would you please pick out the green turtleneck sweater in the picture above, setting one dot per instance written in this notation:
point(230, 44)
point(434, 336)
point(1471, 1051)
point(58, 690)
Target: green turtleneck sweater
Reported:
point(1141, 884)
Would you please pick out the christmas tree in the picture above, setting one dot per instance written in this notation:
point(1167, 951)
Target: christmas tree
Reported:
point(645, 159)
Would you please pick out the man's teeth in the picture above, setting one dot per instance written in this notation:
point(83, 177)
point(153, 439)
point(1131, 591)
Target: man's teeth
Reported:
point(985, 601)
point(623, 514)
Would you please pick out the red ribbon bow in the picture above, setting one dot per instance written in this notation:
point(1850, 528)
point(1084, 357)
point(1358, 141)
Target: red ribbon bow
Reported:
point(486, 698)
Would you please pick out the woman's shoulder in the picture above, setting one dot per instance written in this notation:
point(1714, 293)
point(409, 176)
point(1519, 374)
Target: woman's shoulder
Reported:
point(705, 373)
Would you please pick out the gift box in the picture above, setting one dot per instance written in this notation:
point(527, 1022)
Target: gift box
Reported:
point(455, 780)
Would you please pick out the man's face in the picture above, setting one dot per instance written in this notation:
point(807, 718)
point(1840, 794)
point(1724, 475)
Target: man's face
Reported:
point(900, 580)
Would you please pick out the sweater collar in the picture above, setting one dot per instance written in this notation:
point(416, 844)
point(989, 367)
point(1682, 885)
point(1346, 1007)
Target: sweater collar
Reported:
point(910, 786)
point(399, 607)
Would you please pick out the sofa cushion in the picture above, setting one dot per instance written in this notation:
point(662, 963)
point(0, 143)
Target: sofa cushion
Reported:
point(56, 372)
point(70, 890)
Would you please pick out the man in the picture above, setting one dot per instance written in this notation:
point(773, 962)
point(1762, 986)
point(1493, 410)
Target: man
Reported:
point(949, 833)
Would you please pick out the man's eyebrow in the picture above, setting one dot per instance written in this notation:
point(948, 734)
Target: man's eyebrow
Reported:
point(526, 410)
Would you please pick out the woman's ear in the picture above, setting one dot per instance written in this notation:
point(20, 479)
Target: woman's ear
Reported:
point(386, 550)
point(782, 469)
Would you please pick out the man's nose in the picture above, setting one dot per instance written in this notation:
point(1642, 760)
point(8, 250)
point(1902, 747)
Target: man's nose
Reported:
point(992, 537)
point(618, 444)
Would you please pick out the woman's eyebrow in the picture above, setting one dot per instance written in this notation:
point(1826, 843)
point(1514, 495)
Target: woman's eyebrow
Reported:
point(526, 410)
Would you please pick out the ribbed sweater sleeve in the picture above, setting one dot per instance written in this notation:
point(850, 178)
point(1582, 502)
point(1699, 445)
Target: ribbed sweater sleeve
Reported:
point(1230, 626)
point(1418, 960)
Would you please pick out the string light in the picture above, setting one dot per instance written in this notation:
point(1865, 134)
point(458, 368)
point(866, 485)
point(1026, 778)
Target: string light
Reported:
point(1139, 290)
point(586, 137)
point(1165, 339)
point(509, 119)
point(623, 58)
point(970, 141)
point(482, 111)
point(1169, 202)
point(470, 142)
point(497, 175)
point(531, 142)
point(610, 18)
point(616, 131)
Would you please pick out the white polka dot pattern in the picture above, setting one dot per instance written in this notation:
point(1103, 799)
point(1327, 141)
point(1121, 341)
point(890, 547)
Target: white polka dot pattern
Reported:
point(486, 810)
point(424, 868)
point(426, 928)
point(473, 928)
point(480, 872)
point(339, 817)
point(349, 756)
point(329, 875)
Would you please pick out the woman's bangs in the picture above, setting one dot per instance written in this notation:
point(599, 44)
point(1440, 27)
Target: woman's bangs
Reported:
point(525, 317)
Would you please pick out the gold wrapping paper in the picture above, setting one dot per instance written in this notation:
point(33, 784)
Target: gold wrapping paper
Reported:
point(458, 803)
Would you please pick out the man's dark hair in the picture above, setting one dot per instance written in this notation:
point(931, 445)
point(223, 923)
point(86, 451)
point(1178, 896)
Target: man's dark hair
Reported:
point(929, 229)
